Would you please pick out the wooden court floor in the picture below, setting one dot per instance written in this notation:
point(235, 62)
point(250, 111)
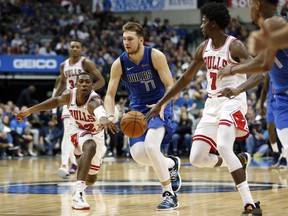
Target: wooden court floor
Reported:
point(30, 186)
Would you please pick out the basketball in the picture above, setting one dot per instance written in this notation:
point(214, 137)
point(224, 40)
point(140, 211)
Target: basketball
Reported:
point(133, 124)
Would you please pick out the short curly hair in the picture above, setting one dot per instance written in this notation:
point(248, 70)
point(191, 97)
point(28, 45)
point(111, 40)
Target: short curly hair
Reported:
point(217, 12)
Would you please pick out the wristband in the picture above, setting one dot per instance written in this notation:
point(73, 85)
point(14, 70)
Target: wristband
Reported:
point(100, 112)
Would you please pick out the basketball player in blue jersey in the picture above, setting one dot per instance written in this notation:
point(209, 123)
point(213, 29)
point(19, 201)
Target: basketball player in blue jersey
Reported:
point(274, 61)
point(147, 77)
point(223, 118)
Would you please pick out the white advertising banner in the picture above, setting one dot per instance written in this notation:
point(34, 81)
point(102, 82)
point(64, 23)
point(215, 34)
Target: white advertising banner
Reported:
point(151, 5)
point(245, 3)
point(180, 4)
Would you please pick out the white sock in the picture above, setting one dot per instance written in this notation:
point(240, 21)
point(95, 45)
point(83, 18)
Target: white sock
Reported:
point(244, 190)
point(80, 185)
point(168, 188)
point(274, 147)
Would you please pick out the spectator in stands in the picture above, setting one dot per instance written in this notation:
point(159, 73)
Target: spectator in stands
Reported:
point(182, 135)
point(25, 97)
point(51, 137)
point(22, 137)
point(46, 50)
point(257, 142)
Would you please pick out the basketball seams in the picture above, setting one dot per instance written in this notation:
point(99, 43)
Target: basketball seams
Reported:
point(138, 126)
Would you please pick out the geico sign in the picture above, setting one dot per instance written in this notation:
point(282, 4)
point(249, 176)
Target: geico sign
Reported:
point(35, 63)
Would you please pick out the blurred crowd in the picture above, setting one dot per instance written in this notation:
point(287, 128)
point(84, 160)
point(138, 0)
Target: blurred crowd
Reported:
point(45, 28)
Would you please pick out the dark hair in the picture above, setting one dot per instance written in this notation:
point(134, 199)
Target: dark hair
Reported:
point(217, 12)
point(272, 2)
point(85, 73)
point(76, 40)
point(135, 27)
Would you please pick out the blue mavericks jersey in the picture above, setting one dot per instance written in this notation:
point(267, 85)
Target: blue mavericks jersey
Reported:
point(270, 93)
point(279, 78)
point(142, 81)
point(144, 87)
point(279, 73)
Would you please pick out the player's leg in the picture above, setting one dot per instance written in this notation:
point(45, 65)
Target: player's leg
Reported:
point(86, 150)
point(225, 140)
point(272, 135)
point(66, 149)
point(73, 161)
point(281, 121)
point(152, 146)
point(202, 153)
point(282, 134)
point(139, 154)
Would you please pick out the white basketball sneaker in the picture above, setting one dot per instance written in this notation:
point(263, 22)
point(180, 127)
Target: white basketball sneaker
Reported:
point(63, 172)
point(78, 200)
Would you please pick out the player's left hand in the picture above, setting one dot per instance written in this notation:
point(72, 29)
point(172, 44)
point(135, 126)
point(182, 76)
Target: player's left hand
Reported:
point(108, 125)
point(230, 92)
point(154, 111)
point(226, 71)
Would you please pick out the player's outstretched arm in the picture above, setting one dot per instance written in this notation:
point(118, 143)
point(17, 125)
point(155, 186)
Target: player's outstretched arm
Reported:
point(45, 105)
point(181, 83)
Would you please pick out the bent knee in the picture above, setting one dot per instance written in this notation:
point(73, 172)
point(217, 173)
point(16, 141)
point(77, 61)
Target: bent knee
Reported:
point(196, 161)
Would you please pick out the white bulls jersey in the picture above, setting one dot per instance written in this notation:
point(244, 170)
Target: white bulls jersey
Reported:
point(81, 118)
point(71, 72)
point(219, 58)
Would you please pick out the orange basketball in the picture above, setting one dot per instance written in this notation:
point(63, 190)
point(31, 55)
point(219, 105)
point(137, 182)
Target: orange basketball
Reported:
point(133, 124)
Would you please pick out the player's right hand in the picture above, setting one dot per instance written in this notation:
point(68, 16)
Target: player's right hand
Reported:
point(22, 115)
point(108, 125)
point(154, 111)
point(230, 92)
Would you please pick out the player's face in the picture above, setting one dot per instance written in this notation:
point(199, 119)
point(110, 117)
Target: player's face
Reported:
point(205, 26)
point(84, 84)
point(254, 10)
point(132, 42)
point(75, 49)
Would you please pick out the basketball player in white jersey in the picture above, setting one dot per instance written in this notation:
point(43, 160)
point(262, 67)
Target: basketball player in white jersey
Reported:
point(223, 118)
point(69, 70)
point(88, 121)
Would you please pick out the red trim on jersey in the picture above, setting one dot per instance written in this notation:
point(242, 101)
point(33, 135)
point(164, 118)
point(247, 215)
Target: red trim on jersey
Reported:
point(217, 49)
point(225, 122)
point(77, 156)
point(65, 116)
point(207, 140)
point(94, 167)
point(85, 133)
point(74, 140)
point(203, 51)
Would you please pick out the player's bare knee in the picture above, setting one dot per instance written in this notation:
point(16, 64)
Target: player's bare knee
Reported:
point(89, 147)
point(91, 179)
